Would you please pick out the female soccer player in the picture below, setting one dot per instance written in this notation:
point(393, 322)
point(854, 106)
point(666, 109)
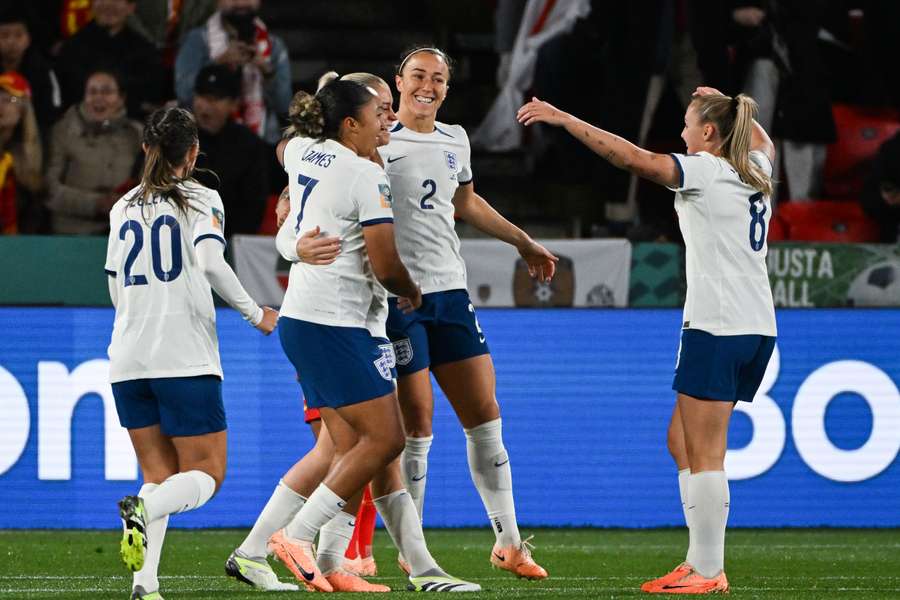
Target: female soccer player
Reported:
point(345, 371)
point(165, 251)
point(429, 167)
point(722, 186)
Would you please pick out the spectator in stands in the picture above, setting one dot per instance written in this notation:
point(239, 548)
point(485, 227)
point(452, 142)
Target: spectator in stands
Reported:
point(109, 41)
point(165, 24)
point(880, 197)
point(93, 151)
point(18, 54)
point(238, 39)
point(20, 156)
point(232, 152)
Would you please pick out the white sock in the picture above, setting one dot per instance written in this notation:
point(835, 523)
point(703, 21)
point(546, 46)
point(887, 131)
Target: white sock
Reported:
point(402, 522)
point(179, 493)
point(683, 477)
point(156, 535)
point(278, 512)
point(489, 466)
point(334, 538)
point(414, 465)
point(708, 501)
point(322, 506)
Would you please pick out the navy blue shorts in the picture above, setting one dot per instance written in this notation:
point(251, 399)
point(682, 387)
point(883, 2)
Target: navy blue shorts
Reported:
point(721, 367)
point(181, 406)
point(443, 330)
point(337, 366)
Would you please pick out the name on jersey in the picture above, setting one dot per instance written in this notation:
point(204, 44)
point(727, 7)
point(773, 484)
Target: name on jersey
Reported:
point(319, 159)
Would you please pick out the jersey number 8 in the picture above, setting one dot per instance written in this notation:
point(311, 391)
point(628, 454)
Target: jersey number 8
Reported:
point(138, 232)
point(757, 235)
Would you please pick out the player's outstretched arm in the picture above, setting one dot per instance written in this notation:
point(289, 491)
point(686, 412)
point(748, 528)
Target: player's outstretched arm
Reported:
point(658, 168)
point(475, 210)
point(210, 257)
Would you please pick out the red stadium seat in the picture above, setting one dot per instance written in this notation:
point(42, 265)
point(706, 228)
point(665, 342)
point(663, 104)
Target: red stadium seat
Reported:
point(777, 230)
point(268, 226)
point(827, 221)
point(860, 132)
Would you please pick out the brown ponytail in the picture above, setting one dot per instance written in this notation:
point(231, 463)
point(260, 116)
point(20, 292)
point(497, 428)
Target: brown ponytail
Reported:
point(733, 118)
point(169, 134)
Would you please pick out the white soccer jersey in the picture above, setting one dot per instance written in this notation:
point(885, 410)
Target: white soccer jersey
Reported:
point(724, 222)
point(333, 188)
point(165, 322)
point(424, 170)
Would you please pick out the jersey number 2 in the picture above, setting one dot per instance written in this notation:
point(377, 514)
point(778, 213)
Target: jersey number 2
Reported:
point(757, 222)
point(155, 230)
point(424, 202)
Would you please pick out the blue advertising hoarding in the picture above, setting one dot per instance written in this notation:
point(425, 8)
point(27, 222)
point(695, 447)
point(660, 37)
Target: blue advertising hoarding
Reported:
point(585, 395)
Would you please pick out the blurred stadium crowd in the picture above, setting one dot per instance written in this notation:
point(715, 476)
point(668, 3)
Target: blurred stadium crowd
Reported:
point(79, 77)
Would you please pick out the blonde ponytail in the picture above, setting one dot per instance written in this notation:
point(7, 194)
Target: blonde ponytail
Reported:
point(733, 118)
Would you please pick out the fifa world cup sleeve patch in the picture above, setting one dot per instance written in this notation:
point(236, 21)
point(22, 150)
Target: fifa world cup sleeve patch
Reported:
point(384, 191)
point(218, 218)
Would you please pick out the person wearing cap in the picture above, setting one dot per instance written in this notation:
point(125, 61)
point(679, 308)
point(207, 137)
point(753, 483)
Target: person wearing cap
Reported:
point(21, 157)
point(93, 154)
point(108, 40)
point(234, 153)
point(235, 36)
point(17, 53)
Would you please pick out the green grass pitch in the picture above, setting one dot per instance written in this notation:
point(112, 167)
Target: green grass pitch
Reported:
point(583, 563)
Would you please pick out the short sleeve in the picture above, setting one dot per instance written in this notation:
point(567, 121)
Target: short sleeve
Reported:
point(465, 174)
point(759, 158)
point(210, 223)
point(289, 156)
point(372, 197)
point(696, 171)
point(112, 245)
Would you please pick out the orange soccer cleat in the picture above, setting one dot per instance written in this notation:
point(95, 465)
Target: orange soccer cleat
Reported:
point(363, 567)
point(673, 575)
point(300, 558)
point(695, 583)
point(342, 581)
point(517, 560)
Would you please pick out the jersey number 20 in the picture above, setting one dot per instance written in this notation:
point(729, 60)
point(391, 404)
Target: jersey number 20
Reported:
point(174, 238)
point(757, 234)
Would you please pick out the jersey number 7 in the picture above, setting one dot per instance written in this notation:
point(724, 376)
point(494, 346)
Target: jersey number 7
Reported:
point(308, 183)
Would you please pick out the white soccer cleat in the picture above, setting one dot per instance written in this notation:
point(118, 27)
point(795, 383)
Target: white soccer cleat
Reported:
point(256, 573)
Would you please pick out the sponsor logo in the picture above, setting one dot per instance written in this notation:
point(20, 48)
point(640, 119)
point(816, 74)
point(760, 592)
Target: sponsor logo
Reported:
point(393, 159)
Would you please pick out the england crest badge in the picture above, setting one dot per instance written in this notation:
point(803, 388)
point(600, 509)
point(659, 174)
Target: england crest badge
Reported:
point(452, 163)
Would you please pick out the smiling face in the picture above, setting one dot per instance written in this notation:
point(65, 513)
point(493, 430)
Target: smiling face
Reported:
point(387, 115)
point(423, 85)
point(102, 97)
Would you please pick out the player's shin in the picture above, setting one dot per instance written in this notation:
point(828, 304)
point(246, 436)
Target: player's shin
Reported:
point(147, 577)
point(414, 465)
point(281, 508)
point(334, 539)
point(491, 473)
point(402, 522)
point(708, 505)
